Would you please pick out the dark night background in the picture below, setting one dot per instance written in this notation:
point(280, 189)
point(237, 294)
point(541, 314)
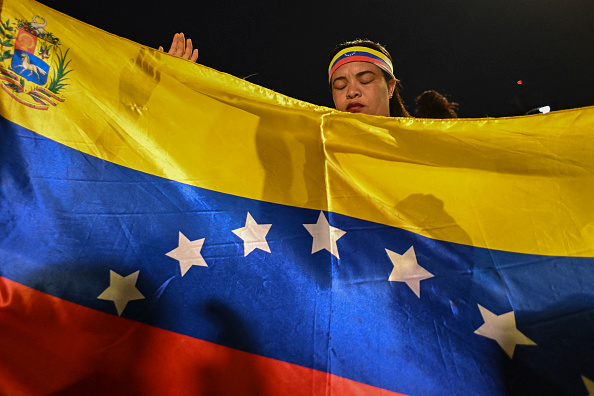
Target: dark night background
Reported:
point(473, 50)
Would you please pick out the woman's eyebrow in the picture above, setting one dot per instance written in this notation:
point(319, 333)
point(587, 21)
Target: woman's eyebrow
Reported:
point(364, 72)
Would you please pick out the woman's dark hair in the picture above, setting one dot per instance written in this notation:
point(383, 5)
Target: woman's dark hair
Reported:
point(432, 104)
point(396, 106)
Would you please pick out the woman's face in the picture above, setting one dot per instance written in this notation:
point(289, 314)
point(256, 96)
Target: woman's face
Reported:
point(360, 87)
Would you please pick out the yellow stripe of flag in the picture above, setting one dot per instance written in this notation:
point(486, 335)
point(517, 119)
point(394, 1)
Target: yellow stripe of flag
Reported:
point(516, 184)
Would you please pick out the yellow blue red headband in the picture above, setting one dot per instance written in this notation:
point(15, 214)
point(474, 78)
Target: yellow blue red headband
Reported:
point(360, 54)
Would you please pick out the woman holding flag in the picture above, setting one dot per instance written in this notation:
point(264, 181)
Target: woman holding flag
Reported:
point(360, 75)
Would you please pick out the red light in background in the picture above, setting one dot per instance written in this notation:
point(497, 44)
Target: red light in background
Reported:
point(520, 82)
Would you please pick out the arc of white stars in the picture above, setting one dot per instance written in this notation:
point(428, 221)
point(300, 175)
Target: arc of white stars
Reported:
point(121, 290)
point(324, 236)
point(188, 253)
point(502, 328)
point(407, 270)
point(253, 235)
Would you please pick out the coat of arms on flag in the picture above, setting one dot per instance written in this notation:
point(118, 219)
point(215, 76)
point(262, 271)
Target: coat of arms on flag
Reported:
point(33, 67)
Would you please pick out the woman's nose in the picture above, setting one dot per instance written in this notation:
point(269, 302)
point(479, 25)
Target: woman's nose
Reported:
point(353, 91)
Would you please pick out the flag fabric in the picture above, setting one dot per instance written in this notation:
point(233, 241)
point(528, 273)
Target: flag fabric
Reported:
point(166, 228)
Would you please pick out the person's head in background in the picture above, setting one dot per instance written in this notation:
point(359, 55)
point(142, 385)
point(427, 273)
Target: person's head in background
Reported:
point(432, 104)
point(361, 78)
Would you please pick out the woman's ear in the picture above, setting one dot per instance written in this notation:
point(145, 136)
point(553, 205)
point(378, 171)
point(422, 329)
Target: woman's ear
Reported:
point(391, 86)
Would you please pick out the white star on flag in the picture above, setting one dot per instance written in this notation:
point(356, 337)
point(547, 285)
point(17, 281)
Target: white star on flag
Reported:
point(121, 290)
point(253, 235)
point(324, 235)
point(407, 270)
point(188, 253)
point(502, 328)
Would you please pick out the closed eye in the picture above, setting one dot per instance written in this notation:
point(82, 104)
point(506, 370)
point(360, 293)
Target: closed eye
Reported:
point(365, 77)
point(339, 83)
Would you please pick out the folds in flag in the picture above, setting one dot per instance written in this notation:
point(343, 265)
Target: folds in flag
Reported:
point(169, 229)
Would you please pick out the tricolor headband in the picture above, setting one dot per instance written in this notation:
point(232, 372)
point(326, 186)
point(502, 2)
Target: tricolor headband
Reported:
point(360, 54)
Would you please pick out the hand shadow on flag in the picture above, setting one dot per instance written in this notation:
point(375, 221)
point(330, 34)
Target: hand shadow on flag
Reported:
point(137, 83)
point(452, 264)
point(138, 80)
point(293, 163)
point(425, 211)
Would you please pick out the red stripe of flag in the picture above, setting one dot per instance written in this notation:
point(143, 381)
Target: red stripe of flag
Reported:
point(51, 345)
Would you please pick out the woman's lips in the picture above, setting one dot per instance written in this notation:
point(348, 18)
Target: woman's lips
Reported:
point(355, 107)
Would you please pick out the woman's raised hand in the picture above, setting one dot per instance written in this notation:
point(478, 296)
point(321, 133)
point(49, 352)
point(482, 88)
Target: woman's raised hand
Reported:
point(182, 48)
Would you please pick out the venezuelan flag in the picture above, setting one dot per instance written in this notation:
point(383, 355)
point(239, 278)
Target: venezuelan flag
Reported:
point(169, 229)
